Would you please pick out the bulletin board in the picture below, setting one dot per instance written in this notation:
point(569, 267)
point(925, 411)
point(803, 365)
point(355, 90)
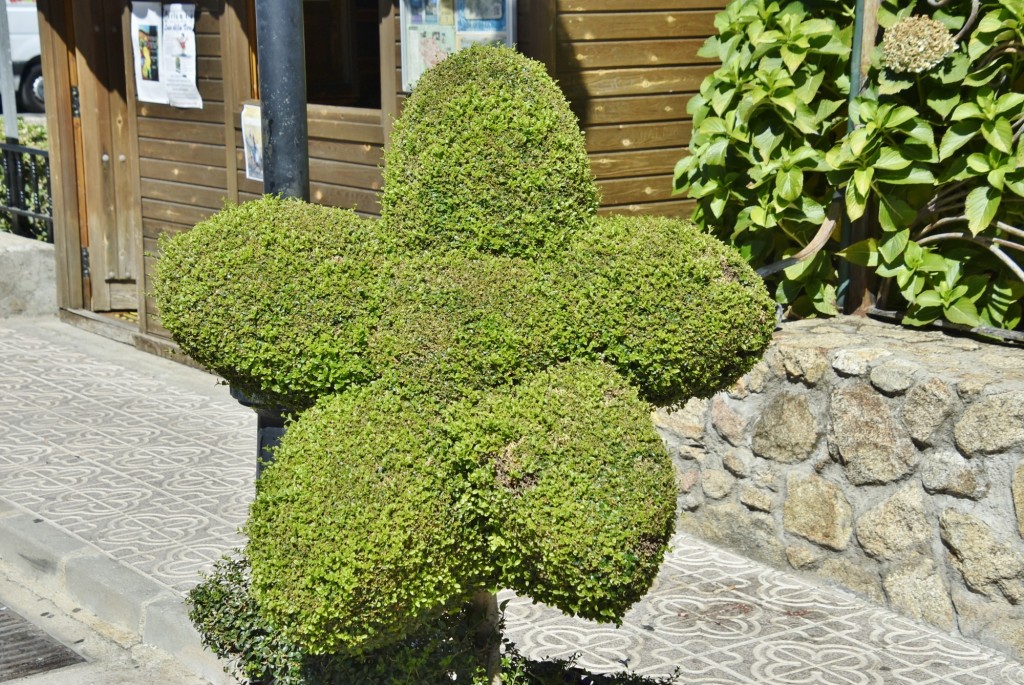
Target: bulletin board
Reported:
point(434, 29)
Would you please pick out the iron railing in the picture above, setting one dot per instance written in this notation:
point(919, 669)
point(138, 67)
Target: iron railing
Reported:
point(26, 207)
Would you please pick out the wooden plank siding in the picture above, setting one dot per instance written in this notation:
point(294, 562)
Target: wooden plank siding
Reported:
point(183, 170)
point(629, 68)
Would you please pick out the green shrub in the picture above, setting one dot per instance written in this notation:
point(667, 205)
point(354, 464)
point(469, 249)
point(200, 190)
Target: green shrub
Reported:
point(584, 492)
point(677, 312)
point(929, 154)
point(222, 607)
point(277, 296)
point(37, 196)
point(488, 157)
point(454, 324)
point(363, 526)
point(442, 651)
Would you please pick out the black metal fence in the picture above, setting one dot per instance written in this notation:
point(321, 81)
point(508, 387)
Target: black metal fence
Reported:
point(26, 207)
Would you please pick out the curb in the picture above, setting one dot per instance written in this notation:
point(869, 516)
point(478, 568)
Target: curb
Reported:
point(57, 564)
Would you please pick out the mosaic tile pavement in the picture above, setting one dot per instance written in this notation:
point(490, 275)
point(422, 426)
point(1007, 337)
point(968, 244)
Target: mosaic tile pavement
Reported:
point(157, 476)
point(152, 463)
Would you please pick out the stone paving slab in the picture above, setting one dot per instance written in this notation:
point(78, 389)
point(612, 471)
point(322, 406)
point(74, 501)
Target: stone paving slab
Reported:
point(118, 464)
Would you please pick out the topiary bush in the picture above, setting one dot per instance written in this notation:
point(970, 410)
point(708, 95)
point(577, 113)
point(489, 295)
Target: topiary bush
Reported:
point(363, 526)
point(583, 489)
point(485, 359)
point(676, 311)
point(277, 296)
point(455, 324)
point(488, 157)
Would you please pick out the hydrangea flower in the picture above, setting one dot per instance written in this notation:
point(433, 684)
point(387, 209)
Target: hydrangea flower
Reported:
point(916, 44)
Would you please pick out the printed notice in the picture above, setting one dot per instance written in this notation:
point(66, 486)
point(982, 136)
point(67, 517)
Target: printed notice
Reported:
point(178, 57)
point(146, 27)
point(164, 47)
point(252, 142)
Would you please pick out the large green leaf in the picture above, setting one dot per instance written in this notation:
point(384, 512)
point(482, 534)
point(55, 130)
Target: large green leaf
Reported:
point(967, 110)
point(898, 116)
point(856, 202)
point(928, 298)
point(943, 100)
point(890, 159)
point(893, 247)
point(956, 136)
point(862, 180)
point(999, 134)
point(921, 316)
point(789, 184)
point(910, 176)
point(863, 253)
point(716, 152)
point(980, 207)
point(894, 213)
point(963, 312)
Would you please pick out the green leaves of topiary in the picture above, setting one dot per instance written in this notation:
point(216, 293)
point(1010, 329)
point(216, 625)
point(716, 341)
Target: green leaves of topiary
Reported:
point(364, 525)
point(487, 157)
point(582, 487)
point(455, 324)
point(277, 296)
point(674, 310)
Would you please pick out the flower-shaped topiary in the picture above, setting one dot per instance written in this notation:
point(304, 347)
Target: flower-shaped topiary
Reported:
point(490, 425)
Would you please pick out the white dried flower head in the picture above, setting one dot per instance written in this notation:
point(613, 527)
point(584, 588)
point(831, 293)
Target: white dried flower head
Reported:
point(916, 44)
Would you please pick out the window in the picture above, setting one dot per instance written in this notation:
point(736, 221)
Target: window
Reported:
point(342, 52)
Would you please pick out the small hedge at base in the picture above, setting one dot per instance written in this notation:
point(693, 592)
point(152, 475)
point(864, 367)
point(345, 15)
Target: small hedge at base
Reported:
point(584, 492)
point(676, 311)
point(277, 296)
point(487, 157)
point(223, 609)
point(363, 526)
point(453, 325)
point(442, 651)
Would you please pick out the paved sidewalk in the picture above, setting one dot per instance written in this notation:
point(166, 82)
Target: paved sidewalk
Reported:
point(123, 476)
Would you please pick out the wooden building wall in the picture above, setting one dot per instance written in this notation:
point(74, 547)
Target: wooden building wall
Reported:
point(628, 67)
point(183, 154)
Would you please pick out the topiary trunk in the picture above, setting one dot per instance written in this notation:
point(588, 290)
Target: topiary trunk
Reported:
point(485, 617)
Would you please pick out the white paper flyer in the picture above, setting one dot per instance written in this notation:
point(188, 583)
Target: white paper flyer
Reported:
point(178, 57)
point(252, 142)
point(147, 34)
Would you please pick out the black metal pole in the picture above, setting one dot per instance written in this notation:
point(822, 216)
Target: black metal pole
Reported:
point(281, 51)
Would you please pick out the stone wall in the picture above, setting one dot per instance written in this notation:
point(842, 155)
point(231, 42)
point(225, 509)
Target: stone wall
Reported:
point(886, 460)
point(28, 282)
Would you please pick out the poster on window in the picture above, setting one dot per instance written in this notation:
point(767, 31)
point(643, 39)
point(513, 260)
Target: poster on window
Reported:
point(178, 57)
point(434, 29)
point(164, 50)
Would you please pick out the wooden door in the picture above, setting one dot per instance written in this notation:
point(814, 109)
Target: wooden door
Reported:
point(105, 161)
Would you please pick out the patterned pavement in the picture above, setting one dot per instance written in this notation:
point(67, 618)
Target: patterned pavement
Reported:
point(152, 463)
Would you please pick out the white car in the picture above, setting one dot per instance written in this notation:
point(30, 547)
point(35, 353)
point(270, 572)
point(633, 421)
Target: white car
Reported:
point(28, 70)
